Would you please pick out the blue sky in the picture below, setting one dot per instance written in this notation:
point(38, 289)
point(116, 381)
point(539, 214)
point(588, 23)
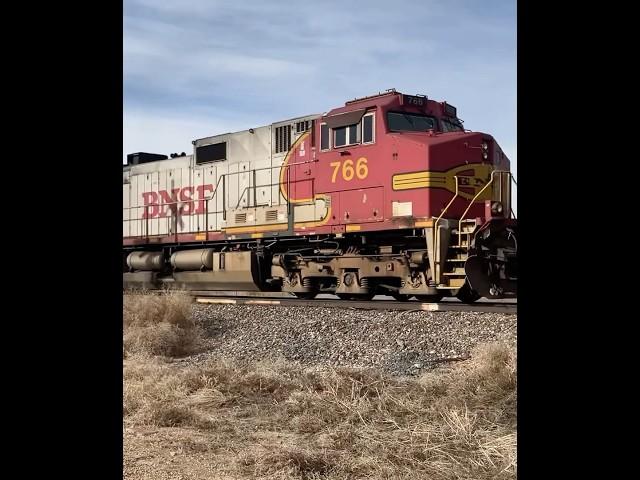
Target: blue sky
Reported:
point(194, 68)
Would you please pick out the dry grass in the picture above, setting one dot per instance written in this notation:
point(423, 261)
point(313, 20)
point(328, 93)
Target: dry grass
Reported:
point(278, 421)
point(159, 325)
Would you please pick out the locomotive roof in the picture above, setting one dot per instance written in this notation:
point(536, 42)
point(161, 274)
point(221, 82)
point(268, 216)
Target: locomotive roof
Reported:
point(393, 98)
point(388, 99)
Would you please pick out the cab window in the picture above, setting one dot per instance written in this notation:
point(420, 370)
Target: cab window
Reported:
point(368, 128)
point(324, 136)
point(410, 122)
point(451, 125)
point(347, 135)
point(362, 132)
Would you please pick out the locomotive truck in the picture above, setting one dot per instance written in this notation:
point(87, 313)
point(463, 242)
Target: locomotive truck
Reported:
point(388, 194)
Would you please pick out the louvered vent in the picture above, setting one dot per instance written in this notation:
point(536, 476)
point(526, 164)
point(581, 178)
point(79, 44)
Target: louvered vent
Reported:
point(241, 218)
point(272, 215)
point(302, 126)
point(283, 138)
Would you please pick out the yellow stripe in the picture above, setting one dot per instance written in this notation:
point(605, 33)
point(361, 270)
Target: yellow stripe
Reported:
point(285, 165)
point(476, 178)
point(265, 228)
point(419, 175)
point(257, 235)
point(406, 181)
point(424, 223)
point(353, 228)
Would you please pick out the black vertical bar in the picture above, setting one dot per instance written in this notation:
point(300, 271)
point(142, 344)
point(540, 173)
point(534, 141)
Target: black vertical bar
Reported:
point(255, 198)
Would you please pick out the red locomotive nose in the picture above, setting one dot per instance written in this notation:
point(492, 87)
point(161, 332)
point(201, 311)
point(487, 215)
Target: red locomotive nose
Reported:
point(449, 170)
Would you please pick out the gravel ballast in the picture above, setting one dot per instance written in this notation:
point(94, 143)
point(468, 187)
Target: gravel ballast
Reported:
point(398, 342)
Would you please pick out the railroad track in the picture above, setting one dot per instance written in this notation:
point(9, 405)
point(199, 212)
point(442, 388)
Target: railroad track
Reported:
point(378, 303)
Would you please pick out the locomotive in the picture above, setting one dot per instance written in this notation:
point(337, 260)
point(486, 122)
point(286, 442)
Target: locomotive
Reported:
point(388, 194)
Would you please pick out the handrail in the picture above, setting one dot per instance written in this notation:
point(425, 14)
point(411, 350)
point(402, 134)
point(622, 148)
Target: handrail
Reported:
point(254, 186)
point(513, 179)
point(501, 172)
point(205, 200)
point(145, 230)
point(437, 260)
point(435, 230)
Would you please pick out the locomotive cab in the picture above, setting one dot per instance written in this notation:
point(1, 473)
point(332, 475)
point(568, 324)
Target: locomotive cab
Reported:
point(413, 143)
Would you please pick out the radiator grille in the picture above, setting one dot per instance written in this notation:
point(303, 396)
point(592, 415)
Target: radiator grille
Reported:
point(283, 138)
point(272, 215)
point(303, 126)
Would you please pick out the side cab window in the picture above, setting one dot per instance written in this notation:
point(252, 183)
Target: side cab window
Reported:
point(325, 144)
point(359, 133)
point(369, 128)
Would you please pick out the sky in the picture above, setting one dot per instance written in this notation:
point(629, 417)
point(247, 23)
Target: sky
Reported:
point(196, 68)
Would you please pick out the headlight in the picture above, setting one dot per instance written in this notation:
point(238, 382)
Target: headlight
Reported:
point(485, 146)
point(485, 155)
point(496, 208)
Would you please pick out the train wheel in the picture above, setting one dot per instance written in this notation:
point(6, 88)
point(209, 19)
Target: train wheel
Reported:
point(429, 298)
point(306, 295)
point(466, 294)
point(400, 297)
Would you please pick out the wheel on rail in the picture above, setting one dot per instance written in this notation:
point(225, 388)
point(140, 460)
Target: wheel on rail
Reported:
point(400, 297)
point(466, 294)
point(306, 295)
point(429, 298)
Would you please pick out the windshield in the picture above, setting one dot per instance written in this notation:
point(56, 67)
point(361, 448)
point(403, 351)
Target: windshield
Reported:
point(409, 122)
point(451, 125)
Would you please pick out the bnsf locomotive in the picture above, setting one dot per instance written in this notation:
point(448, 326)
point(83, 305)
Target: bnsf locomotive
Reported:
point(388, 194)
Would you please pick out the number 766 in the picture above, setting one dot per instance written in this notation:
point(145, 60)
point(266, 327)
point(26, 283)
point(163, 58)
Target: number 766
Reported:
point(348, 172)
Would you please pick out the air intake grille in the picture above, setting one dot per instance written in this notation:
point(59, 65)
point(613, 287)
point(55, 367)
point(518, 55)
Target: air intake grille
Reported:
point(241, 218)
point(272, 215)
point(302, 126)
point(283, 138)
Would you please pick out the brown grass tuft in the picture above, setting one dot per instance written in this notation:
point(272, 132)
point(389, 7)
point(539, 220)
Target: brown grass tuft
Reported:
point(289, 462)
point(280, 421)
point(160, 325)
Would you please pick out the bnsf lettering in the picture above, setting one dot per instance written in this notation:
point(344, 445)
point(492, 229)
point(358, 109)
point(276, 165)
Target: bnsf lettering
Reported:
point(178, 201)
